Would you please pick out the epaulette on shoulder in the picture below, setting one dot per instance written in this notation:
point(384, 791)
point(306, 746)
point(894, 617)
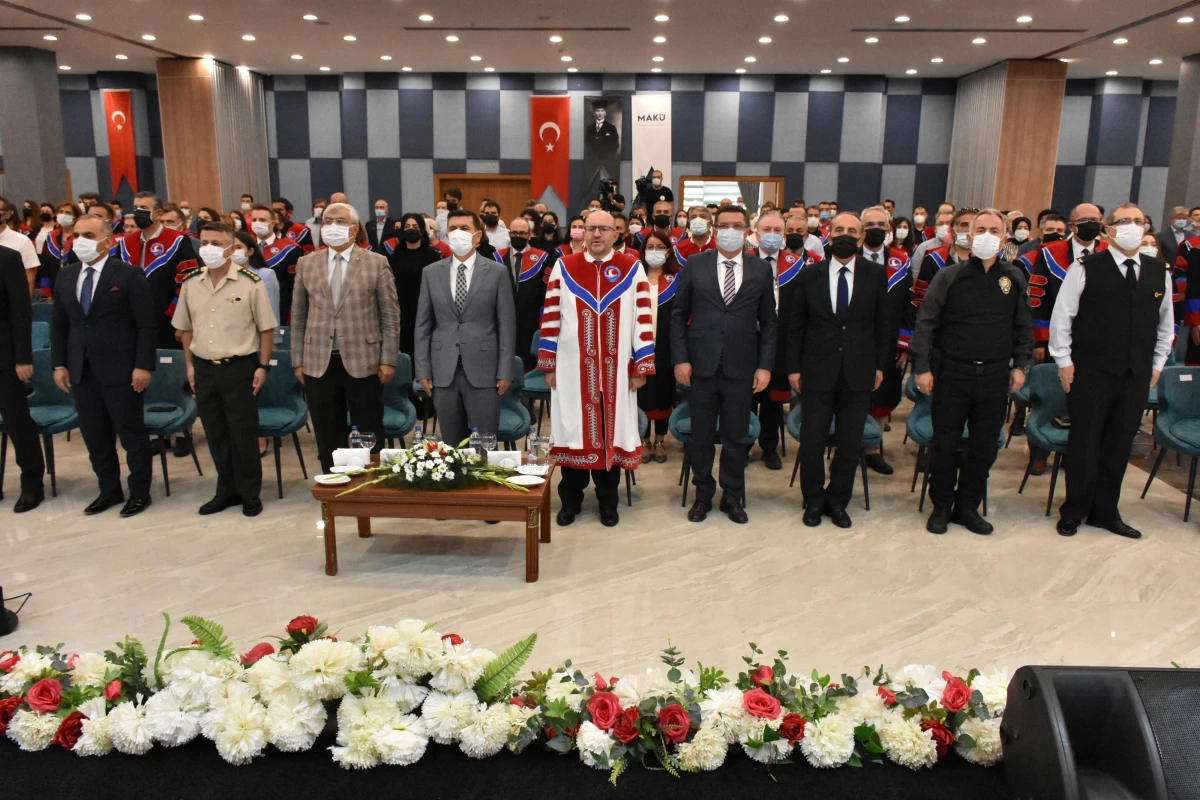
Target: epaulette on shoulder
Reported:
point(249, 274)
point(191, 273)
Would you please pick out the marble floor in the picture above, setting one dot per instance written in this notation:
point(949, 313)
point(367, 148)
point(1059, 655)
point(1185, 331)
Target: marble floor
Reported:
point(884, 591)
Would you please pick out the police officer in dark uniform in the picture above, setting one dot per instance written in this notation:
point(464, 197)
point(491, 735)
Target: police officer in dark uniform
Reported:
point(228, 326)
point(974, 336)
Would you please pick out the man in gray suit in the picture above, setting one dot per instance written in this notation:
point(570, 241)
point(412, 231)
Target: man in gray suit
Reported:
point(465, 338)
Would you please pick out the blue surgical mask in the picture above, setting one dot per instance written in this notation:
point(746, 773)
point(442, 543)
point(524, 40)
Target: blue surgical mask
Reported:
point(824, 216)
point(771, 242)
point(1180, 224)
point(380, 213)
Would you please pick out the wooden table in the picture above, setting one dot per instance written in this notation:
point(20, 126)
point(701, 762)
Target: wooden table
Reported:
point(488, 501)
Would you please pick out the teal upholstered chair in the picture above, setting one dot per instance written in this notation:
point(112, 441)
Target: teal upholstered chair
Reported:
point(514, 417)
point(168, 409)
point(282, 410)
point(535, 389)
point(52, 410)
point(399, 413)
point(42, 312)
point(680, 426)
point(871, 439)
point(1018, 399)
point(1047, 400)
point(284, 336)
point(1177, 426)
point(41, 335)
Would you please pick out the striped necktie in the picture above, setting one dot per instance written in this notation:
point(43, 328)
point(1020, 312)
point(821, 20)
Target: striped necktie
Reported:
point(730, 283)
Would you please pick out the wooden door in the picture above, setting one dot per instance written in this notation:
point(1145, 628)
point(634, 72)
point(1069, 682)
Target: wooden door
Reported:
point(510, 191)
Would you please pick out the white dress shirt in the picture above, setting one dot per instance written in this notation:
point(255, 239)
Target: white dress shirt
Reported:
point(737, 272)
point(498, 236)
point(1078, 247)
point(454, 262)
point(835, 267)
point(379, 230)
point(15, 240)
point(813, 244)
point(878, 256)
point(772, 260)
point(1067, 306)
point(98, 269)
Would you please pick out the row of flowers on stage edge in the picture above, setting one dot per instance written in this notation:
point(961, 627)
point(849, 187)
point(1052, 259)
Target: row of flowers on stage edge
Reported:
point(398, 687)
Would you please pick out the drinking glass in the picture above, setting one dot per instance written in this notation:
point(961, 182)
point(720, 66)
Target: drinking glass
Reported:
point(368, 440)
point(489, 442)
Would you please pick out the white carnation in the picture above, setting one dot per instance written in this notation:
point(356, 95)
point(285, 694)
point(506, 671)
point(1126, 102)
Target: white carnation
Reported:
point(198, 675)
point(829, 741)
point(382, 638)
point(631, 690)
point(725, 711)
point(237, 724)
point(319, 669)
point(267, 676)
point(562, 687)
point(30, 668)
point(91, 669)
point(128, 731)
point(924, 677)
point(171, 719)
point(447, 714)
point(487, 734)
point(459, 666)
point(593, 744)
point(294, 721)
point(356, 749)
point(402, 741)
point(418, 646)
point(93, 738)
point(987, 751)
point(369, 712)
point(661, 684)
point(864, 708)
point(769, 752)
point(906, 744)
point(408, 696)
point(994, 688)
point(706, 751)
point(33, 731)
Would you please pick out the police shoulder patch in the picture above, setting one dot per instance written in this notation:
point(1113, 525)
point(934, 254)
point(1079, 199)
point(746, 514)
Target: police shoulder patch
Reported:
point(250, 274)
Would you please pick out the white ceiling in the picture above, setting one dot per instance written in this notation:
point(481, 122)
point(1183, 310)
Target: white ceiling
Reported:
point(702, 35)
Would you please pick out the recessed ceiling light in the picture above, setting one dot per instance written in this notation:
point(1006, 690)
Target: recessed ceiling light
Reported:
point(426, 18)
point(406, 69)
point(1111, 72)
point(243, 68)
point(324, 69)
point(555, 39)
point(350, 38)
point(82, 18)
point(826, 71)
point(871, 40)
point(740, 71)
point(572, 69)
point(121, 56)
point(657, 58)
point(910, 72)
point(979, 40)
point(64, 67)
point(451, 38)
point(297, 57)
point(661, 39)
point(565, 58)
point(656, 69)
point(764, 40)
point(843, 60)
point(781, 17)
point(248, 37)
point(1024, 18)
point(208, 56)
point(1121, 40)
point(935, 60)
point(1066, 60)
point(148, 37)
point(50, 38)
point(311, 17)
point(196, 17)
point(661, 18)
point(477, 58)
point(1156, 61)
point(489, 69)
point(901, 18)
point(385, 58)
point(750, 59)
point(1186, 20)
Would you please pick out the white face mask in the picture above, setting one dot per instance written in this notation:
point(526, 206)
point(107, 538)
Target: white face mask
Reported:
point(635, 227)
point(902, 233)
point(66, 220)
point(1129, 236)
point(86, 249)
point(918, 220)
point(335, 235)
point(681, 222)
point(317, 212)
point(657, 182)
point(983, 245)
point(698, 226)
point(1020, 234)
point(887, 240)
point(240, 257)
point(261, 229)
point(656, 258)
point(962, 239)
point(1148, 250)
point(461, 242)
point(729, 239)
point(212, 255)
point(942, 232)
point(187, 213)
point(245, 206)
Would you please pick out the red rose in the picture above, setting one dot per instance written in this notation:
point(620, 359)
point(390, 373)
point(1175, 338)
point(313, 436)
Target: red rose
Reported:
point(605, 709)
point(943, 737)
point(760, 704)
point(71, 661)
point(889, 698)
point(519, 702)
point(956, 695)
point(626, 731)
point(792, 728)
point(9, 660)
point(453, 638)
point(112, 691)
point(674, 722)
point(257, 653)
point(304, 624)
point(763, 674)
point(7, 709)
point(70, 730)
point(44, 696)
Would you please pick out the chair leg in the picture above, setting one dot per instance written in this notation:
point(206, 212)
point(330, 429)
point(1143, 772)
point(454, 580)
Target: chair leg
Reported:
point(683, 467)
point(187, 434)
point(299, 454)
point(1187, 508)
point(1153, 425)
point(924, 488)
point(1053, 483)
point(1154, 471)
point(162, 457)
point(1028, 467)
point(916, 469)
point(862, 465)
point(783, 440)
point(48, 447)
point(391, 443)
point(278, 467)
point(629, 488)
point(541, 410)
point(687, 472)
point(3, 460)
point(795, 467)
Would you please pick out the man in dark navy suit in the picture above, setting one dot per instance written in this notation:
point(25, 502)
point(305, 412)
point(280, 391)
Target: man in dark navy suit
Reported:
point(16, 367)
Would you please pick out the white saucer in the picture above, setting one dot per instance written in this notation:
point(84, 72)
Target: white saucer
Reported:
point(533, 469)
point(332, 480)
point(340, 470)
point(526, 480)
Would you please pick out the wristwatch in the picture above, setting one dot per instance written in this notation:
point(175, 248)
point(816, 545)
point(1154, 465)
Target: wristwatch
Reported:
point(264, 367)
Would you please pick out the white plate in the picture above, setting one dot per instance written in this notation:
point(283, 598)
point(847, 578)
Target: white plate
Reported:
point(340, 470)
point(526, 480)
point(332, 480)
point(533, 469)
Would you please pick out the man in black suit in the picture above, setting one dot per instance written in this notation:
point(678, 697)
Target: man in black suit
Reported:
point(723, 339)
point(1174, 232)
point(839, 344)
point(382, 227)
point(102, 338)
point(16, 367)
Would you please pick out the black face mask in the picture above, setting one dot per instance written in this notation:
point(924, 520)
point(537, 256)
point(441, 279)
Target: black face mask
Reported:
point(548, 228)
point(142, 218)
point(1053, 237)
point(412, 235)
point(1087, 231)
point(491, 220)
point(843, 246)
point(662, 221)
point(794, 241)
point(451, 205)
point(518, 242)
point(47, 217)
point(875, 237)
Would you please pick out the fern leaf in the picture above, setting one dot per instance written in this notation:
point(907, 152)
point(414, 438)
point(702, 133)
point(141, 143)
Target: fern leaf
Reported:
point(134, 661)
point(210, 635)
point(159, 655)
point(497, 675)
point(617, 768)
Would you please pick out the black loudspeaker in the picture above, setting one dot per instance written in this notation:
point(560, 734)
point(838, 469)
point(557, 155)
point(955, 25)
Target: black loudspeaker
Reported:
point(8, 617)
point(1098, 733)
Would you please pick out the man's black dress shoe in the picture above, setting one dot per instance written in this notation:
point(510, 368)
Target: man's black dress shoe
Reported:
point(566, 516)
point(252, 509)
point(732, 506)
point(838, 515)
point(699, 511)
point(772, 460)
point(28, 501)
point(103, 503)
point(813, 515)
point(939, 520)
point(609, 517)
point(135, 505)
point(1118, 527)
point(970, 519)
point(875, 461)
point(182, 449)
point(219, 504)
point(1068, 527)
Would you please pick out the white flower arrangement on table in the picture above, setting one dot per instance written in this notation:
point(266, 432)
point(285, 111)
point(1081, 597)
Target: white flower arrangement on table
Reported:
point(397, 688)
point(434, 465)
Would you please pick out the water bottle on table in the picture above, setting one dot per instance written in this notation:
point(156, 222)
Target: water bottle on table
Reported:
point(356, 441)
point(418, 437)
point(475, 442)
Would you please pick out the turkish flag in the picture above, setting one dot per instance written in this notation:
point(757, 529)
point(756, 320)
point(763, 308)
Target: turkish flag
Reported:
point(122, 155)
point(550, 145)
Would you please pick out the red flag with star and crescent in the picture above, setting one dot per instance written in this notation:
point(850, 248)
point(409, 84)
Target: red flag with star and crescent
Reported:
point(550, 145)
point(122, 155)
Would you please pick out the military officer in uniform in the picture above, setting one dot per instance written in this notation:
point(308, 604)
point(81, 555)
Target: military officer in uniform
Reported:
point(227, 326)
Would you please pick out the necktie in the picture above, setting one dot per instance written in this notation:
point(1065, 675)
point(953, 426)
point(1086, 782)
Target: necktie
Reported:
point(1084, 254)
point(460, 289)
point(1130, 274)
point(843, 293)
point(85, 294)
point(335, 282)
point(730, 283)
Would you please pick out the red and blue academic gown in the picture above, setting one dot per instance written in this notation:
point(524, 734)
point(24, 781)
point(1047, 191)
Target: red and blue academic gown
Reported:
point(281, 256)
point(529, 292)
point(924, 234)
point(55, 255)
point(299, 234)
point(1186, 274)
point(164, 259)
point(657, 398)
point(899, 292)
point(686, 248)
point(674, 234)
point(1047, 267)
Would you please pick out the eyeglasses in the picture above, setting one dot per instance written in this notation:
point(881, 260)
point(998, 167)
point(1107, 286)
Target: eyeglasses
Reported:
point(599, 228)
point(338, 221)
point(731, 226)
point(1086, 219)
point(1130, 221)
point(869, 225)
